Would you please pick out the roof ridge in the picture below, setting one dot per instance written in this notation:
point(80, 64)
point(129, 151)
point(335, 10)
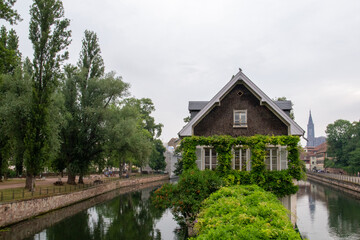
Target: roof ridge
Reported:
point(295, 129)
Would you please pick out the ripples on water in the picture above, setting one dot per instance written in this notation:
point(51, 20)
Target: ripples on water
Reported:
point(326, 213)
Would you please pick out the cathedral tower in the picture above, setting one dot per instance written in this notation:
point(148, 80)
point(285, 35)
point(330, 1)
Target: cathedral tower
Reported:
point(310, 133)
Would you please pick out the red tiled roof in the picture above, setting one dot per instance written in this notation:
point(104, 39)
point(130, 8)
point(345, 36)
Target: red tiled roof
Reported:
point(322, 148)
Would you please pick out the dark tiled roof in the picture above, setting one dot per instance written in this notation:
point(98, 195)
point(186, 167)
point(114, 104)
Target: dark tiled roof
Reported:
point(284, 105)
point(197, 105)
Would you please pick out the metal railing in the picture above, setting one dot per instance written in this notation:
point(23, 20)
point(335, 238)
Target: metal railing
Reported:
point(346, 178)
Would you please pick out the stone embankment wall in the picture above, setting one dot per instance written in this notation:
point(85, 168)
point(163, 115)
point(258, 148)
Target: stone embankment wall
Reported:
point(342, 184)
point(20, 210)
point(30, 227)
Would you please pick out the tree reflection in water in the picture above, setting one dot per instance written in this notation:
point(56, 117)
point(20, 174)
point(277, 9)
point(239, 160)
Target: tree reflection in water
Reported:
point(128, 216)
point(327, 213)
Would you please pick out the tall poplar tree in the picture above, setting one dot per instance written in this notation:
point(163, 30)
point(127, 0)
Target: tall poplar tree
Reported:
point(50, 37)
point(7, 12)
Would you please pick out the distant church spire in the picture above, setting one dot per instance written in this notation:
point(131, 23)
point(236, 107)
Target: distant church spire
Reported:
point(310, 132)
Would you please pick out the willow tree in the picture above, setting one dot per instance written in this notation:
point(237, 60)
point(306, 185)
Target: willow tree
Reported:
point(89, 92)
point(50, 38)
point(127, 140)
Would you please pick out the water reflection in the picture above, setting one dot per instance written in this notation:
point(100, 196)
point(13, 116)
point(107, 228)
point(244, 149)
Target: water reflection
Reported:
point(128, 216)
point(327, 213)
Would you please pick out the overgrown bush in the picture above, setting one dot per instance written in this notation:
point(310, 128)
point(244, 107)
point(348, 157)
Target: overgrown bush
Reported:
point(243, 212)
point(185, 197)
point(279, 183)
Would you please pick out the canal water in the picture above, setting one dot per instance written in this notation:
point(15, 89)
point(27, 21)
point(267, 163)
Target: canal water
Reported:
point(322, 213)
point(125, 213)
point(127, 216)
point(325, 213)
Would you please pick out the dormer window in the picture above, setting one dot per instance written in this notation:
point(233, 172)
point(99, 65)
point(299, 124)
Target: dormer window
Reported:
point(240, 118)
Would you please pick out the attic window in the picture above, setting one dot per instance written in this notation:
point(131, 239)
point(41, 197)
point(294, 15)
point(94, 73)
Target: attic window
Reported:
point(240, 93)
point(240, 118)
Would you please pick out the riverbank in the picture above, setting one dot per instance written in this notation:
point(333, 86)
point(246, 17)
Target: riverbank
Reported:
point(30, 227)
point(20, 210)
point(338, 183)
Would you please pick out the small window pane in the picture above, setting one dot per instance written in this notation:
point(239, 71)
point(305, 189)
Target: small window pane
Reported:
point(244, 160)
point(274, 159)
point(283, 158)
point(243, 118)
point(207, 158)
point(240, 118)
point(213, 159)
point(248, 162)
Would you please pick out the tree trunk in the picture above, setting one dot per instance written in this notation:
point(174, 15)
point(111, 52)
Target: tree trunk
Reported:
point(30, 182)
point(71, 179)
point(81, 180)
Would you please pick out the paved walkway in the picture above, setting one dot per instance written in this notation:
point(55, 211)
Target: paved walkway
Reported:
point(16, 183)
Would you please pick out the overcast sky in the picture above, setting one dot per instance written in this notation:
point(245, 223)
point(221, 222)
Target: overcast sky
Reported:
point(173, 51)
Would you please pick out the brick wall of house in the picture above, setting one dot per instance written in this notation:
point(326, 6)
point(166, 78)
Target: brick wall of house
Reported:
point(260, 120)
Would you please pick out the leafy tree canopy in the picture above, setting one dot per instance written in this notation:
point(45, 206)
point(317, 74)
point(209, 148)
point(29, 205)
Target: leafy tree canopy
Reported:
point(7, 12)
point(343, 138)
point(157, 158)
point(50, 38)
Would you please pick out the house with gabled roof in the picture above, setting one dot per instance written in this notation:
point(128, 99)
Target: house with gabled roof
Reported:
point(241, 108)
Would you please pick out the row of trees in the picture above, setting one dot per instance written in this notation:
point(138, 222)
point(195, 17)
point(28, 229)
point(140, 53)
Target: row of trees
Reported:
point(73, 117)
point(343, 138)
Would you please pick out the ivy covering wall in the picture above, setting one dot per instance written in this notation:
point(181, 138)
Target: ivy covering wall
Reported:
point(278, 182)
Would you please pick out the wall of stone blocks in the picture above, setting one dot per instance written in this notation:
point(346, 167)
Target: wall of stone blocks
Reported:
point(20, 210)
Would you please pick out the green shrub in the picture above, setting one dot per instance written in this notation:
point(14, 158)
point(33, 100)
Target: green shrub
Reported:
point(10, 173)
point(185, 197)
point(236, 177)
point(280, 183)
point(243, 212)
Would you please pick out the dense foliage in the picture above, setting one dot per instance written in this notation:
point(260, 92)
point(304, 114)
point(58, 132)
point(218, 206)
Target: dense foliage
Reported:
point(186, 197)
point(63, 117)
point(157, 158)
point(343, 138)
point(279, 182)
point(50, 38)
point(243, 212)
